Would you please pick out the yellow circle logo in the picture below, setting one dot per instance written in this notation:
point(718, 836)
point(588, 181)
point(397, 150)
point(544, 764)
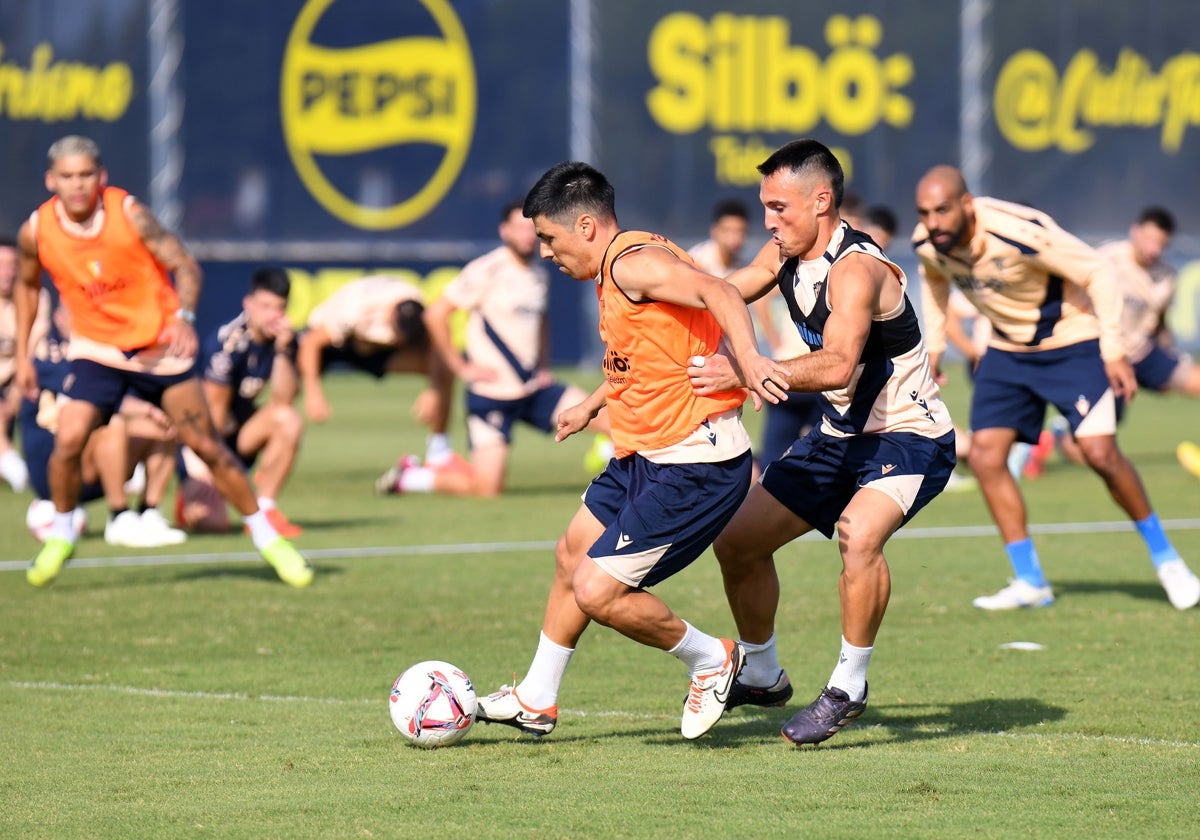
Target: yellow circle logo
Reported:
point(339, 102)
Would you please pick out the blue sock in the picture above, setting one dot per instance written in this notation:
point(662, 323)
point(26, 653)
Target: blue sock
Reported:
point(1160, 547)
point(1024, 559)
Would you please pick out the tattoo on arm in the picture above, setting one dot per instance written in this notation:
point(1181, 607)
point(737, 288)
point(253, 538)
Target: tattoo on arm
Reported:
point(170, 253)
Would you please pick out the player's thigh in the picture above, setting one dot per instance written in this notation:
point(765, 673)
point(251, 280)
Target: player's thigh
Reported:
point(77, 420)
point(759, 527)
point(1003, 397)
point(254, 434)
point(184, 404)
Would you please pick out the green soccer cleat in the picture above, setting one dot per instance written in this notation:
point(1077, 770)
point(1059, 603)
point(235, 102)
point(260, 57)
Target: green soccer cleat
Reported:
point(50, 560)
point(291, 567)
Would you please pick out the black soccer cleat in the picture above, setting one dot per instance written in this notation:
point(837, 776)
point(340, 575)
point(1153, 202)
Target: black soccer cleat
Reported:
point(772, 697)
point(823, 717)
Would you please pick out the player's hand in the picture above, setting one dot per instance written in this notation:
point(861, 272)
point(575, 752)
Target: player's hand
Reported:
point(26, 379)
point(316, 407)
point(1122, 378)
point(543, 379)
point(572, 420)
point(766, 379)
point(180, 339)
point(472, 372)
point(426, 406)
point(284, 334)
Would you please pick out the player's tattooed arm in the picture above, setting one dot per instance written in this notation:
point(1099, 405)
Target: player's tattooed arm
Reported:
point(170, 253)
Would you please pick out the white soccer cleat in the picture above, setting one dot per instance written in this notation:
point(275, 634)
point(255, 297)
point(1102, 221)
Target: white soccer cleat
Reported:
point(708, 693)
point(1017, 595)
point(1183, 587)
point(156, 531)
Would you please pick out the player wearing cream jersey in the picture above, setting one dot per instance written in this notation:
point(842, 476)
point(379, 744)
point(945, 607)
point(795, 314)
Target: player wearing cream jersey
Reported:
point(884, 449)
point(1148, 286)
point(133, 332)
point(375, 325)
point(1055, 308)
point(505, 294)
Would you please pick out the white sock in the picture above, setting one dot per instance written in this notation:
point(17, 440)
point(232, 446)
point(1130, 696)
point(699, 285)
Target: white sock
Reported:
point(539, 689)
point(701, 652)
point(14, 471)
point(417, 480)
point(850, 675)
point(437, 448)
point(762, 664)
point(64, 526)
point(265, 504)
point(262, 533)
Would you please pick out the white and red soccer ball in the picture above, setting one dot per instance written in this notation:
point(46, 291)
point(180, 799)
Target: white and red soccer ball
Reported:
point(433, 704)
point(39, 519)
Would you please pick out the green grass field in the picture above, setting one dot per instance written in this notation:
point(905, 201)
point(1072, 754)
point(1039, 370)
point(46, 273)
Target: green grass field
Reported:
point(194, 695)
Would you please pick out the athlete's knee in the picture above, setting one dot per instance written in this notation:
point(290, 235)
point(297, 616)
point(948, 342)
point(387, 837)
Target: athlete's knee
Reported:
point(594, 593)
point(1102, 454)
point(287, 423)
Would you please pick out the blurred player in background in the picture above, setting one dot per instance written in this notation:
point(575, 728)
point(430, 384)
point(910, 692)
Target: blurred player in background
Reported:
point(12, 466)
point(138, 433)
point(1055, 308)
point(882, 451)
point(682, 461)
point(721, 254)
point(1148, 285)
point(880, 223)
point(239, 360)
point(375, 324)
point(505, 366)
point(132, 331)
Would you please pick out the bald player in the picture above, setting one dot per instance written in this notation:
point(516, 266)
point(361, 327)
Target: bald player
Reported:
point(1055, 308)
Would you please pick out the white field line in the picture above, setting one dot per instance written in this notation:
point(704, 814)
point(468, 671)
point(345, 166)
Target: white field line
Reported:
point(351, 552)
point(336, 701)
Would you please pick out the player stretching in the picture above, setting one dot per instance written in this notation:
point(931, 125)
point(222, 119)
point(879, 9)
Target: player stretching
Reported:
point(1055, 309)
point(112, 264)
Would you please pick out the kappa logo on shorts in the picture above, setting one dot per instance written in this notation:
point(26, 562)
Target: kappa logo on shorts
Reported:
point(407, 97)
point(623, 540)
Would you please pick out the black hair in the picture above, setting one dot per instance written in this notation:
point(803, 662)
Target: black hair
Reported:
point(7, 241)
point(409, 324)
point(807, 157)
point(509, 207)
point(730, 207)
point(271, 279)
point(882, 216)
point(1160, 217)
point(569, 189)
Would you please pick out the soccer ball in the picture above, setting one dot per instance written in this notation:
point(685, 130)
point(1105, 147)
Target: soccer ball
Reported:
point(433, 704)
point(39, 519)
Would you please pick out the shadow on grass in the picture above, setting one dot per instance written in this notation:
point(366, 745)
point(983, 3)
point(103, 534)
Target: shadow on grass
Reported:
point(252, 571)
point(879, 725)
point(1142, 590)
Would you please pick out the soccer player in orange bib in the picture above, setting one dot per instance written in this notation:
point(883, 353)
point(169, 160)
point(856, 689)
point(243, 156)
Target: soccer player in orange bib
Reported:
point(113, 265)
point(682, 461)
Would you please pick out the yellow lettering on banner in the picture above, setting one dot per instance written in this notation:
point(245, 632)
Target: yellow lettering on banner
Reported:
point(1036, 109)
point(740, 74)
point(56, 91)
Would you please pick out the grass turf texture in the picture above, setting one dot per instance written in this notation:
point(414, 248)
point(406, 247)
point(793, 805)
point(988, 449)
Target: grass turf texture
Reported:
point(208, 699)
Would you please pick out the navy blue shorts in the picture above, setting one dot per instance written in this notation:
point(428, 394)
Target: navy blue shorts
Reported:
point(659, 518)
point(1012, 390)
point(787, 422)
point(821, 474)
point(537, 410)
point(105, 387)
point(375, 363)
point(1155, 371)
point(36, 444)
